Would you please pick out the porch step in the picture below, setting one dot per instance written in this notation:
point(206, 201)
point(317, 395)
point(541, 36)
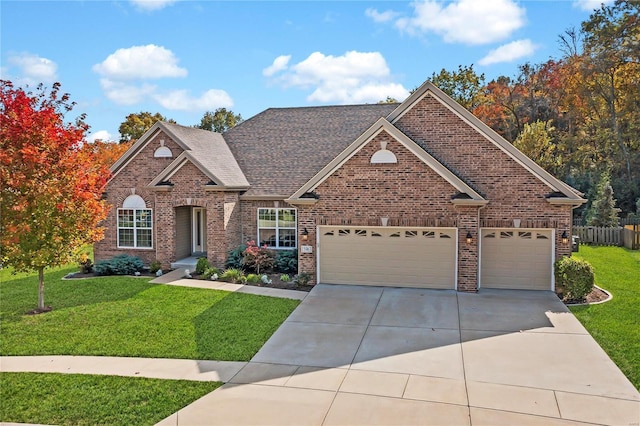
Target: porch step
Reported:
point(186, 263)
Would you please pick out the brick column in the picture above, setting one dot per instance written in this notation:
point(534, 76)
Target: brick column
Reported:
point(468, 253)
point(307, 261)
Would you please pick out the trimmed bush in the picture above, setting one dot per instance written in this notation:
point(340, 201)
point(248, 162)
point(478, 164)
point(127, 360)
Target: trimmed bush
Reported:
point(253, 278)
point(209, 272)
point(286, 261)
point(202, 265)
point(155, 266)
point(122, 264)
point(574, 278)
point(302, 278)
point(235, 256)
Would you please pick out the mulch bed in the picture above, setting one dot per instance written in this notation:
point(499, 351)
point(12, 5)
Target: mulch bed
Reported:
point(276, 282)
point(78, 275)
point(597, 295)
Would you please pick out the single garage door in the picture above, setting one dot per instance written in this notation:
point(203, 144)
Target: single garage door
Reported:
point(389, 256)
point(516, 259)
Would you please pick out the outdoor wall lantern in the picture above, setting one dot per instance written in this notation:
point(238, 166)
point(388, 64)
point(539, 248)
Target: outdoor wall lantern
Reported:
point(305, 234)
point(469, 238)
point(565, 237)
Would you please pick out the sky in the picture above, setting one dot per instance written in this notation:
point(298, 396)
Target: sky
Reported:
point(183, 58)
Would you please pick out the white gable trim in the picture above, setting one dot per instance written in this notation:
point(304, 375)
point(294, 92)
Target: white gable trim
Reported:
point(140, 144)
point(429, 89)
point(177, 164)
point(379, 126)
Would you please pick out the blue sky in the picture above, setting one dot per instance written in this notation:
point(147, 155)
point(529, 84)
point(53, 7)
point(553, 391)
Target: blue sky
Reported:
point(182, 58)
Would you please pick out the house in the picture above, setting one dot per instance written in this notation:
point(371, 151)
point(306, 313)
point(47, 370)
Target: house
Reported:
point(417, 194)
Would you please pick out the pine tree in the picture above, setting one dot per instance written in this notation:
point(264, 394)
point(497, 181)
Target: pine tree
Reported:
point(603, 211)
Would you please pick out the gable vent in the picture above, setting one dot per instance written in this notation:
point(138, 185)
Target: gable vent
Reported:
point(383, 156)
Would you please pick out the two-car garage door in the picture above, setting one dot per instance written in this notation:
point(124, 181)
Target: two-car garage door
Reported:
point(407, 257)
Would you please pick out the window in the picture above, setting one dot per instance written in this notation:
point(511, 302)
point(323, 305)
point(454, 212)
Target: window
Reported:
point(134, 224)
point(277, 228)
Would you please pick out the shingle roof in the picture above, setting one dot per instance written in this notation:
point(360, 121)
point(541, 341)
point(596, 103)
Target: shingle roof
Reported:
point(280, 149)
point(210, 150)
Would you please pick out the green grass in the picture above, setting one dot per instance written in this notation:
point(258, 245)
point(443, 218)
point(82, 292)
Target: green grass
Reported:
point(615, 324)
point(126, 316)
point(72, 399)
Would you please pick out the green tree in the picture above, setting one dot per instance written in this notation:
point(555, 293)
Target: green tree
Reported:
point(464, 86)
point(51, 188)
point(388, 100)
point(536, 142)
point(135, 125)
point(219, 121)
point(603, 211)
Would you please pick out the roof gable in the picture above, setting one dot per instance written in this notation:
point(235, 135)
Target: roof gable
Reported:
point(282, 148)
point(205, 149)
point(472, 197)
point(429, 89)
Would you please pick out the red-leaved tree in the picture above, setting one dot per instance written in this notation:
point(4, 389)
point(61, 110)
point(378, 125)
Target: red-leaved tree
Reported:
point(51, 188)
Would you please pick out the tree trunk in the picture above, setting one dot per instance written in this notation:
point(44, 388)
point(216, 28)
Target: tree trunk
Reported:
point(41, 288)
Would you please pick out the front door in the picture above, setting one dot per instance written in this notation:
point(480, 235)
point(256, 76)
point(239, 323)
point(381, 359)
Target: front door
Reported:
point(199, 228)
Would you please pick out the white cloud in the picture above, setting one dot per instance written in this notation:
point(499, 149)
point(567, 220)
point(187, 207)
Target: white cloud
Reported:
point(590, 5)
point(151, 5)
point(33, 69)
point(182, 101)
point(355, 77)
point(126, 94)
point(102, 135)
point(279, 64)
point(148, 61)
point(465, 21)
point(509, 52)
point(379, 17)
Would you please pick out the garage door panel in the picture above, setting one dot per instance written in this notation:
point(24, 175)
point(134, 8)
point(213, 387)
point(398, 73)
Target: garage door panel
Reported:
point(408, 257)
point(513, 259)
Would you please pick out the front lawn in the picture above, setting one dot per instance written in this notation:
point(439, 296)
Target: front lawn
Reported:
point(616, 324)
point(73, 399)
point(127, 316)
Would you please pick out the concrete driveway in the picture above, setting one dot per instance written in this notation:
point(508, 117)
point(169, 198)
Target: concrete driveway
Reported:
point(351, 355)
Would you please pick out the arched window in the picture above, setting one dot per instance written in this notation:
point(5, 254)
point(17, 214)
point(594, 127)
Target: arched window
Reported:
point(135, 224)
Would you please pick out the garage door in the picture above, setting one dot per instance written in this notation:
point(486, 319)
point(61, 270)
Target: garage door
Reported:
point(516, 259)
point(390, 256)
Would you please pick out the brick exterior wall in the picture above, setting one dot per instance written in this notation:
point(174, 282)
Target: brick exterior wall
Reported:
point(222, 208)
point(409, 193)
point(512, 191)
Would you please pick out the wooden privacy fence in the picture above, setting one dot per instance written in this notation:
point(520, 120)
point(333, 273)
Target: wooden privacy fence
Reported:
point(628, 236)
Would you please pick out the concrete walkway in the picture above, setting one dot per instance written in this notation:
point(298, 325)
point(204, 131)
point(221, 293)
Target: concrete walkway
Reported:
point(177, 278)
point(155, 368)
point(353, 355)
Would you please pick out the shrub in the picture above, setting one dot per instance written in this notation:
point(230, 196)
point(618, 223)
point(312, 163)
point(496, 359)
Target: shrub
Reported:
point(202, 265)
point(257, 258)
point(253, 278)
point(232, 275)
point(122, 264)
point(302, 278)
point(286, 261)
point(85, 264)
point(234, 257)
point(210, 272)
point(285, 278)
point(574, 278)
point(155, 266)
